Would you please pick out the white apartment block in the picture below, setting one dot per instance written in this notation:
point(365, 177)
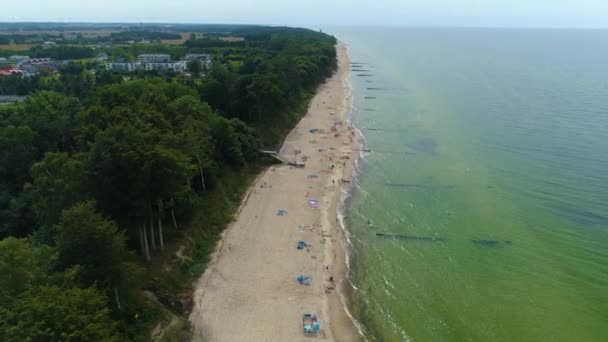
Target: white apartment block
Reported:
point(174, 66)
point(179, 66)
point(204, 58)
point(125, 67)
point(159, 62)
point(154, 58)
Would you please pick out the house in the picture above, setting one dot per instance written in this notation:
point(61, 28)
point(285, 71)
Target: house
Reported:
point(10, 99)
point(19, 59)
point(10, 71)
point(28, 70)
point(40, 61)
point(154, 58)
point(33, 66)
point(47, 45)
point(39, 65)
point(102, 56)
point(47, 67)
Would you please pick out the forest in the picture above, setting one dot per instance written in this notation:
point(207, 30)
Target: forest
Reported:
point(114, 188)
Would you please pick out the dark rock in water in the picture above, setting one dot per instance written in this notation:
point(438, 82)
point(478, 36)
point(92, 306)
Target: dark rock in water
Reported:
point(360, 70)
point(491, 243)
point(425, 145)
point(376, 88)
point(365, 75)
point(369, 110)
point(369, 97)
point(579, 215)
point(409, 237)
point(486, 243)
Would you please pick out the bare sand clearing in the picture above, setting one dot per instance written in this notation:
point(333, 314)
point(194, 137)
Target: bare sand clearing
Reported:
point(249, 290)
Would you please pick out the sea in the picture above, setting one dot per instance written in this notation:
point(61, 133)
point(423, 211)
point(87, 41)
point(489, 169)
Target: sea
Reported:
point(480, 211)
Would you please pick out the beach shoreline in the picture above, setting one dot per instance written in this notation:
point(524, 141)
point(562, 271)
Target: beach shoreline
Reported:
point(342, 324)
point(248, 291)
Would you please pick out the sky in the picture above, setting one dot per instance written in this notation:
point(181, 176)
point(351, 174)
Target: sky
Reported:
point(320, 13)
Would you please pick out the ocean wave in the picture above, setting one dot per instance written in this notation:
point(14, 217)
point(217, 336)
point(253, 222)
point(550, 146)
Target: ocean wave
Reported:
point(340, 215)
point(346, 194)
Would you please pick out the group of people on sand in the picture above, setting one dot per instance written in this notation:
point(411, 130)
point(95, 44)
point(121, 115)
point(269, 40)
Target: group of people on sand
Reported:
point(331, 287)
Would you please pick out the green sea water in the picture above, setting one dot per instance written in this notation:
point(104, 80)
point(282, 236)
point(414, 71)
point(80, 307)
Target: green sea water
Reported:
point(489, 170)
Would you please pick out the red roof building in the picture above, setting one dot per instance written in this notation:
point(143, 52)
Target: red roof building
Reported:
point(10, 71)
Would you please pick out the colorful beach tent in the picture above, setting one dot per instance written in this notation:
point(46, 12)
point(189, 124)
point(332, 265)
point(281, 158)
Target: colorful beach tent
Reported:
point(310, 323)
point(302, 279)
point(301, 244)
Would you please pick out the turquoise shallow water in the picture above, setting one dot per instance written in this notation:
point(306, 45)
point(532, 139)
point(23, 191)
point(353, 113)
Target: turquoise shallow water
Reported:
point(489, 170)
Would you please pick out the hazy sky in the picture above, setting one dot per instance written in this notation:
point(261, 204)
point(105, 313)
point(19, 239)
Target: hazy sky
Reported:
point(319, 13)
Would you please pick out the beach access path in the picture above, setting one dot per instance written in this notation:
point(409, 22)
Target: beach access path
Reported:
point(249, 290)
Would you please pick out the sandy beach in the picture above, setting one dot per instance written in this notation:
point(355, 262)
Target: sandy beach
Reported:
point(249, 291)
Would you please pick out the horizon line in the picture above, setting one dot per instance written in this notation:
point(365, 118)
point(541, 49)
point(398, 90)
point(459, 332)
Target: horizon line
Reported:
point(430, 26)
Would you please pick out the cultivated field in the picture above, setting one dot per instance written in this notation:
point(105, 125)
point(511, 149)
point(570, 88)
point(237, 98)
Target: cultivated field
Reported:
point(16, 47)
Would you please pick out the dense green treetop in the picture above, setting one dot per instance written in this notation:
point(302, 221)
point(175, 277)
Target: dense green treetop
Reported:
point(98, 171)
point(58, 314)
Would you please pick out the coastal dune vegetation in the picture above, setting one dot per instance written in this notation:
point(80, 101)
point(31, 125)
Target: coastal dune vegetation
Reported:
point(114, 187)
